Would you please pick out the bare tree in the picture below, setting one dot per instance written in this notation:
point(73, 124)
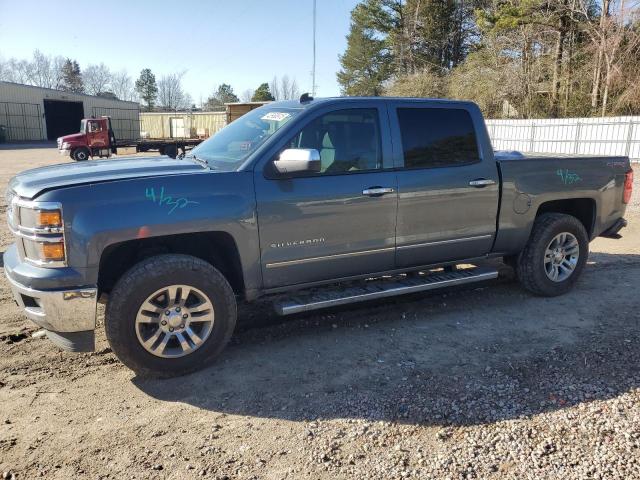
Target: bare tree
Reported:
point(621, 45)
point(247, 95)
point(97, 79)
point(171, 96)
point(598, 37)
point(5, 71)
point(57, 72)
point(284, 88)
point(122, 86)
point(20, 71)
point(274, 87)
point(614, 45)
point(294, 90)
point(43, 71)
point(188, 102)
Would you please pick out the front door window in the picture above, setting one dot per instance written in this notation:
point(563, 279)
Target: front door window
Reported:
point(348, 141)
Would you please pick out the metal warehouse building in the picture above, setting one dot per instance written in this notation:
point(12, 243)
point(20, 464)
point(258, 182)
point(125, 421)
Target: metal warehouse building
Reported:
point(32, 113)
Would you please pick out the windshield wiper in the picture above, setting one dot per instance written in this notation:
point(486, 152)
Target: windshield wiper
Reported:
point(202, 162)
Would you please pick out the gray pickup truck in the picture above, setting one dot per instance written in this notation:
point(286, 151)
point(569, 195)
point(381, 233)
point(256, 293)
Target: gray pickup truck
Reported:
point(316, 203)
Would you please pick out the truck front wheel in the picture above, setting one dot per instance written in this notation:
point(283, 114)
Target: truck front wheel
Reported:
point(170, 315)
point(80, 154)
point(554, 256)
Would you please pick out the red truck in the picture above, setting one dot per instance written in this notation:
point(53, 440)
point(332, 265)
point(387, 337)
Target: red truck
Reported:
point(97, 139)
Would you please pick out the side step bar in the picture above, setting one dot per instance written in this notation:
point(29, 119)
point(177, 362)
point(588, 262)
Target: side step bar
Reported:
point(380, 288)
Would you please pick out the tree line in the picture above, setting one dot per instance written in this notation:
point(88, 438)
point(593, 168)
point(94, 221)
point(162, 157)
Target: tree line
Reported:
point(515, 58)
point(165, 93)
point(280, 88)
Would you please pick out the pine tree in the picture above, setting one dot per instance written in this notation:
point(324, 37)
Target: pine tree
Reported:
point(223, 94)
point(366, 64)
point(434, 31)
point(262, 94)
point(71, 77)
point(147, 88)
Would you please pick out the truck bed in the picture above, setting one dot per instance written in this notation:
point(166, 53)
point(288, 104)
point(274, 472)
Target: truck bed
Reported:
point(532, 180)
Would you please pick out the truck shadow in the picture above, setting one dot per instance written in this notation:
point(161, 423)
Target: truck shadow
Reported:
point(463, 356)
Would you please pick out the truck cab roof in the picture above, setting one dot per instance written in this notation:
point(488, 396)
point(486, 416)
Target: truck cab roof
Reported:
point(315, 102)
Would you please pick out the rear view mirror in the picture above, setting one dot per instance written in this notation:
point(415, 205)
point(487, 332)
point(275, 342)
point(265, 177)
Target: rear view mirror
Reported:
point(298, 160)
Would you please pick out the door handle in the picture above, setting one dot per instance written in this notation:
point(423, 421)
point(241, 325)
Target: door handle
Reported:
point(481, 182)
point(377, 191)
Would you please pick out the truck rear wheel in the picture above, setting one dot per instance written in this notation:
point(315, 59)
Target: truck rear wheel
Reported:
point(80, 154)
point(554, 256)
point(170, 315)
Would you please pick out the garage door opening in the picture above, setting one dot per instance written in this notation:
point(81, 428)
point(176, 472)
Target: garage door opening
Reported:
point(62, 118)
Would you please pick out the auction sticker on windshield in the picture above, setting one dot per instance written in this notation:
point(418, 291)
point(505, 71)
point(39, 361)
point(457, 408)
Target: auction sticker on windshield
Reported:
point(275, 116)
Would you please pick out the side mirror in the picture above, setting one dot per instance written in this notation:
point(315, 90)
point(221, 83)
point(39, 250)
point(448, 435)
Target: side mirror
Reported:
point(298, 160)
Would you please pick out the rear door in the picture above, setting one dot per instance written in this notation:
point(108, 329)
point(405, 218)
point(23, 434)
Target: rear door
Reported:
point(447, 193)
point(333, 224)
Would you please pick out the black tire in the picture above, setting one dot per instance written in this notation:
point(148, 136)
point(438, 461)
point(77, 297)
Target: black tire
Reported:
point(530, 265)
point(80, 154)
point(146, 277)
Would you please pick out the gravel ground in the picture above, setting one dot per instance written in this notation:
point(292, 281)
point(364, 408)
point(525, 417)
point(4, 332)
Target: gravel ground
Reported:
point(482, 382)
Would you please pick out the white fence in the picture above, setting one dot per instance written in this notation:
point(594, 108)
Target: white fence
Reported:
point(594, 136)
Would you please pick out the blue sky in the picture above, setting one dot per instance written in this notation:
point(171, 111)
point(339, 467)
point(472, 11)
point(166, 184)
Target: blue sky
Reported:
point(241, 42)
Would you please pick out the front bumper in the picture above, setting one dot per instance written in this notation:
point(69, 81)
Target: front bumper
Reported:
point(68, 316)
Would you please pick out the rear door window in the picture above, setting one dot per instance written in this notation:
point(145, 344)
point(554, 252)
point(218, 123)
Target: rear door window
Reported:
point(437, 137)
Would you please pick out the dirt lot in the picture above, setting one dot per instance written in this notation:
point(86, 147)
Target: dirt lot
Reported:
point(477, 382)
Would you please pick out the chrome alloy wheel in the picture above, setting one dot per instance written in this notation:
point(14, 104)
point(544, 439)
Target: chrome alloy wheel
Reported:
point(174, 321)
point(561, 256)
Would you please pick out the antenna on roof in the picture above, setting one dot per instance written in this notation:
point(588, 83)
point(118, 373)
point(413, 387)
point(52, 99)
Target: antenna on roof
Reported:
point(305, 97)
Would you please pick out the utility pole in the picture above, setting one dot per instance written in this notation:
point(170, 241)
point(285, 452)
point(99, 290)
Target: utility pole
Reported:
point(313, 70)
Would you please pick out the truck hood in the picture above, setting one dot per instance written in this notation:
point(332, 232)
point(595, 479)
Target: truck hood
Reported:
point(31, 183)
point(71, 137)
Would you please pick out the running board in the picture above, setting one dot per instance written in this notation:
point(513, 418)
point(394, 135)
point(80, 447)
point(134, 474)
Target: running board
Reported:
point(381, 288)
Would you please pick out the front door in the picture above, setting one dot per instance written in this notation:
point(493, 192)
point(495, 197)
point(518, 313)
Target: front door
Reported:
point(341, 221)
point(447, 193)
point(97, 135)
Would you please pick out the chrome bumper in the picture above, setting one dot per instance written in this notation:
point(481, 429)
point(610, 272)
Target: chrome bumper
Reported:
point(61, 311)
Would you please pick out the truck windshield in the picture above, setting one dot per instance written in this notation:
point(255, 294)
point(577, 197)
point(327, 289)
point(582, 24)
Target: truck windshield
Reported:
point(231, 146)
point(83, 126)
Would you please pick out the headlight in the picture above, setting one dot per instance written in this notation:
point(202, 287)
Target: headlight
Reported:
point(35, 217)
point(65, 146)
point(39, 229)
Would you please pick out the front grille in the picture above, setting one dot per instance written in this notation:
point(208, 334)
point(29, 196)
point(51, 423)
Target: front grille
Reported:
point(13, 220)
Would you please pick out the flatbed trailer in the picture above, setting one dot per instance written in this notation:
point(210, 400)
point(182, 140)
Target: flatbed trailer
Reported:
point(97, 139)
point(166, 146)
